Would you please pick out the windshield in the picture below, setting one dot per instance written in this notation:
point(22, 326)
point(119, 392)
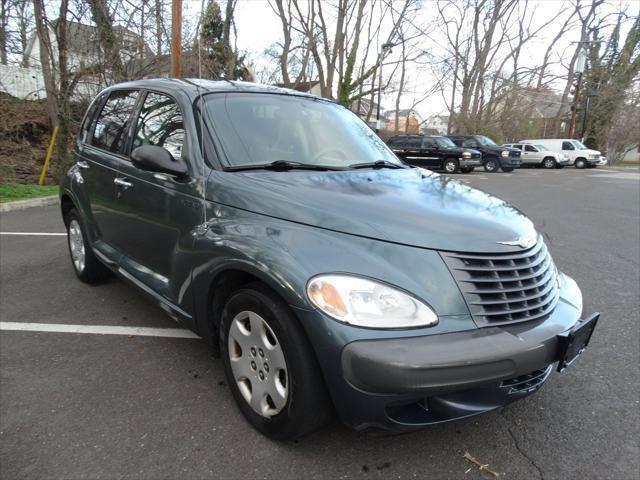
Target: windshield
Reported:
point(445, 142)
point(482, 140)
point(579, 145)
point(258, 129)
point(541, 147)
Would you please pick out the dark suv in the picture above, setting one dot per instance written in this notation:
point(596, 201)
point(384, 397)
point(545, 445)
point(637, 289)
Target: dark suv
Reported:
point(327, 274)
point(494, 157)
point(434, 152)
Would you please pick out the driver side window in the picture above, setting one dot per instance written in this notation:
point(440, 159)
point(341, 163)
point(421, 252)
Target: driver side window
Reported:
point(469, 143)
point(530, 148)
point(567, 146)
point(160, 123)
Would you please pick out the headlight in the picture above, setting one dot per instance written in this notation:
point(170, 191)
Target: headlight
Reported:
point(365, 303)
point(466, 154)
point(505, 153)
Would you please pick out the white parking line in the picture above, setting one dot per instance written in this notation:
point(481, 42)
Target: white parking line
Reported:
point(41, 234)
point(98, 329)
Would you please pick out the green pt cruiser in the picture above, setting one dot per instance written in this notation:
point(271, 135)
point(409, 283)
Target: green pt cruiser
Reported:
point(329, 276)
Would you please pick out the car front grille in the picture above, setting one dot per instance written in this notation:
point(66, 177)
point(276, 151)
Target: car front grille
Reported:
point(503, 288)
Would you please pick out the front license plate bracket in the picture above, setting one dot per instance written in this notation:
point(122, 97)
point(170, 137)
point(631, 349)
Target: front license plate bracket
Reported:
point(574, 341)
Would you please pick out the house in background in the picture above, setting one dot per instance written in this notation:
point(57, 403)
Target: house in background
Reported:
point(409, 121)
point(437, 124)
point(83, 52)
point(312, 87)
point(83, 46)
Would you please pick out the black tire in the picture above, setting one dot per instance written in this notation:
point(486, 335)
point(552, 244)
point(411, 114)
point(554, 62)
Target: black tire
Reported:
point(467, 169)
point(580, 163)
point(308, 406)
point(549, 163)
point(91, 270)
point(451, 165)
point(491, 165)
point(507, 169)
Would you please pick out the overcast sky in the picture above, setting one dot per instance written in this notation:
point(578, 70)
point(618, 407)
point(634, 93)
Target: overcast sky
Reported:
point(258, 28)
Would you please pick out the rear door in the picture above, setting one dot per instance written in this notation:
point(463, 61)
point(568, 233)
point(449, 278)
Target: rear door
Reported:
point(98, 159)
point(157, 212)
point(431, 154)
point(413, 152)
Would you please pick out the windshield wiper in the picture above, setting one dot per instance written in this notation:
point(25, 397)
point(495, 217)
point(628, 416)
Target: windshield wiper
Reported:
point(377, 164)
point(282, 165)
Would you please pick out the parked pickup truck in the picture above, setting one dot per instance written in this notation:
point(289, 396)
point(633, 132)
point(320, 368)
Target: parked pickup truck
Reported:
point(580, 155)
point(494, 157)
point(539, 155)
point(435, 152)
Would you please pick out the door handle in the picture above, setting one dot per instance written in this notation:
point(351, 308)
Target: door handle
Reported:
point(83, 164)
point(121, 182)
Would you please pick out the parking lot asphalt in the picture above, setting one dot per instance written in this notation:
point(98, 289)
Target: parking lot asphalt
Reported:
point(125, 406)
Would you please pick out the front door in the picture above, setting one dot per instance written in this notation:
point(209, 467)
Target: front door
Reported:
point(531, 155)
point(158, 212)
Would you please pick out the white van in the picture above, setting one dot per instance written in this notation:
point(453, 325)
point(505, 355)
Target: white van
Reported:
point(539, 155)
point(579, 155)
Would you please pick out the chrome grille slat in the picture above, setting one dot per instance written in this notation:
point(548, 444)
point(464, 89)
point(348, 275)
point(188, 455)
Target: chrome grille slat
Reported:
point(503, 288)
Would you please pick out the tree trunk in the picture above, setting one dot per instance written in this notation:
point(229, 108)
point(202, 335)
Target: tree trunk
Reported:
point(45, 59)
point(108, 41)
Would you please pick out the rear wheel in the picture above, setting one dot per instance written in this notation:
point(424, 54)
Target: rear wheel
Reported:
point(491, 165)
point(451, 165)
point(549, 162)
point(87, 267)
point(270, 366)
point(580, 163)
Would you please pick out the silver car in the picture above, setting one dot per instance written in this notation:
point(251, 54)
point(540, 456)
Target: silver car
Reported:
point(539, 155)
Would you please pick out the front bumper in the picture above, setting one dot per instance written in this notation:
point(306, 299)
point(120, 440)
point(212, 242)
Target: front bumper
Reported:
point(407, 383)
point(470, 162)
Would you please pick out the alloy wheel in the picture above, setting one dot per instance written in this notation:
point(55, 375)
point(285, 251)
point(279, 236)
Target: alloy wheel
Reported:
point(76, 245)
point(450, 167)
point(258, 364)
point(549, 163)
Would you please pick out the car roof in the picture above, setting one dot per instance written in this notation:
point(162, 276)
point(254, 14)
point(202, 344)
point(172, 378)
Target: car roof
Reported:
point(196, 86)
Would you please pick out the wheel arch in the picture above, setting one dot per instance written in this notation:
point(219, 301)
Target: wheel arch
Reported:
point(221, 283)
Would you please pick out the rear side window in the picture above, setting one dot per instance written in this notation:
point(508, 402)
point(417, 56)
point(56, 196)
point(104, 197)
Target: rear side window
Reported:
point(414, 142)
point(567, 146)
point(85, 131)
point(469, 143)
point(160, 123)
point(110, 133)
point(428, 143)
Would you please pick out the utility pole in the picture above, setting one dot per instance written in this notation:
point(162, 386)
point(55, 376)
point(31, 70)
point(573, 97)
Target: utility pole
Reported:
point(176, 38)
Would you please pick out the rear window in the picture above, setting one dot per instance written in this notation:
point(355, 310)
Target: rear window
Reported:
point(86, 129)
point(110, 133)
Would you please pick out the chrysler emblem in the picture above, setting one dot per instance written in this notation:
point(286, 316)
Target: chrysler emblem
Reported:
point(522, 242)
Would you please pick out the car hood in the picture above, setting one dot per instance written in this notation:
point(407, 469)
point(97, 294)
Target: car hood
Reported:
point(410, 206)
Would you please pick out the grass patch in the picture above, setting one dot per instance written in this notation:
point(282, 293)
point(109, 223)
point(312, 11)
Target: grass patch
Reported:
point(17, 191)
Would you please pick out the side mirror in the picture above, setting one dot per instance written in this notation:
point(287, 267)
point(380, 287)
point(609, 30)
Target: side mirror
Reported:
point(157, 159)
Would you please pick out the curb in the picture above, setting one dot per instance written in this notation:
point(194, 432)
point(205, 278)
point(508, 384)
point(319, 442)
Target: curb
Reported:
point(31, 202)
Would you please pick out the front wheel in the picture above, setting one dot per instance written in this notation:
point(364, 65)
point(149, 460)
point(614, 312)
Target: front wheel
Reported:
point(549, 163)
point(580, 163)
point(87, 267)
point(491, 165)
point(270, 365)
point(451, 165)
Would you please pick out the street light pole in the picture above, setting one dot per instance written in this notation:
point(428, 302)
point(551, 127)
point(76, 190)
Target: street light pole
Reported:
point(385, 47)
